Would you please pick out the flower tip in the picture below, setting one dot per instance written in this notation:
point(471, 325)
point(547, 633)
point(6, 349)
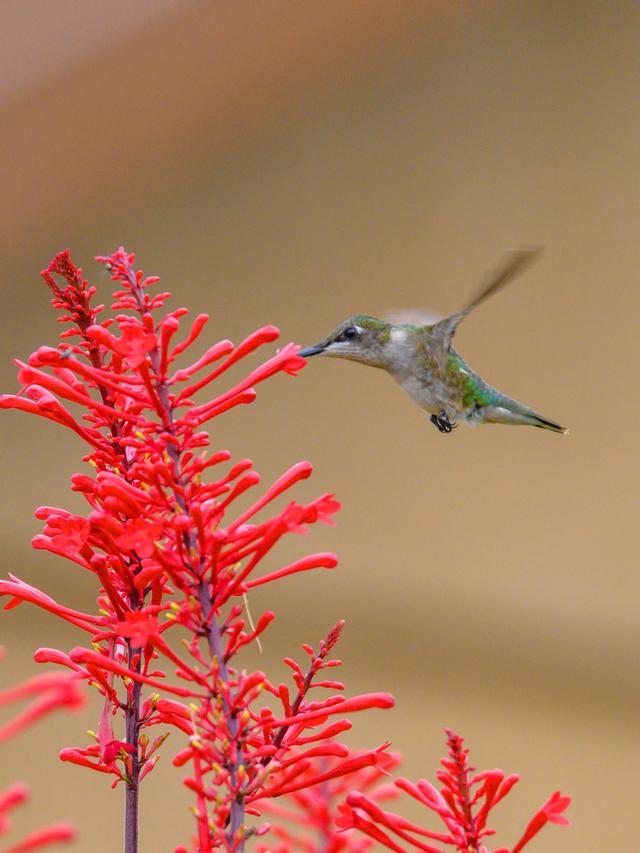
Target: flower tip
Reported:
point(14, 795)
point(555, 806)
point(47, 836)
point(78, 654)
point(344, 818)
point(43, 655)
point(44, 355)
point(270, 333)
point(54, 264)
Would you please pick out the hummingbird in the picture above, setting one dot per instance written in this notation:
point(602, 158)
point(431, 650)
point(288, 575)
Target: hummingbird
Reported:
point(419, 355)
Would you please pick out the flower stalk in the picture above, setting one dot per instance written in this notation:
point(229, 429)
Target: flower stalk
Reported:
point(132, 735)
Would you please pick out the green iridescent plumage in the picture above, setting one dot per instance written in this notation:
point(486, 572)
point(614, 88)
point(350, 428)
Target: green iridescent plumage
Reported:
point(373, 324)
point(475, 391)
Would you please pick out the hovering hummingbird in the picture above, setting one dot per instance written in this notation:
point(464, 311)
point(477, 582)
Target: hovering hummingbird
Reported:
point(420, 357)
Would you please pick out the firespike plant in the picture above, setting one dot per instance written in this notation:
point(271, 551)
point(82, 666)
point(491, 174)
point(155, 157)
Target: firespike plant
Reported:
point(168, 548)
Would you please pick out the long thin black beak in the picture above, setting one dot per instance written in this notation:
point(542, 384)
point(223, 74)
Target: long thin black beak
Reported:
point(309, 351)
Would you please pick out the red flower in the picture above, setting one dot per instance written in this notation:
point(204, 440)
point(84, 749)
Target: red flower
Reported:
point(173, 538)
point(46, 693)
point(113, 749)
point(463, 804)
point(140, 535)
point(139, 627)
point(73, 533)
point(41, 838)
point(168, 546)
point(300, 819)
point(550, 812)
point(135, 344)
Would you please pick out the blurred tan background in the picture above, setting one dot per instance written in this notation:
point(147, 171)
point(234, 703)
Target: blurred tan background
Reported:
point(295, 162)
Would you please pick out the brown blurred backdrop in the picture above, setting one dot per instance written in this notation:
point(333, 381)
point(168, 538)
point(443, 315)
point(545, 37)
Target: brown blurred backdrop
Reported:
point(295, 162)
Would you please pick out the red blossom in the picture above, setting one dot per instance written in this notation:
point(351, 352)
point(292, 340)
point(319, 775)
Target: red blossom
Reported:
point(176, 536)
point(463, 804)
point(48, 692)
point(168, 547)
point(550, 812)
point(139, 535)
point(113, 749)
point(41, 838)
point(45, 693)
point(73, 533)
point(299, 819)
point(135, 344)
point(15, 795)
point(139, 627)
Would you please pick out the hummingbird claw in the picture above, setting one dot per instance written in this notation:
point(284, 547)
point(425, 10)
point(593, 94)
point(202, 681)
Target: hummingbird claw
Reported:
point(442, 423)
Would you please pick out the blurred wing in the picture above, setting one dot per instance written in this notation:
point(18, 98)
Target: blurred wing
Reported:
point(412, 317)
point(513, 263)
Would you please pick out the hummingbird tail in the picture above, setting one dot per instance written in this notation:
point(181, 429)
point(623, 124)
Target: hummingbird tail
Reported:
point(508, 411)
point(543, 423)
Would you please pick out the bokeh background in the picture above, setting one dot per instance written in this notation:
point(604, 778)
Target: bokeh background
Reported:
point(295, 162)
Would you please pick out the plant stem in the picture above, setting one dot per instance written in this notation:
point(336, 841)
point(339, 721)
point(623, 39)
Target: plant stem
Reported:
point(131, 803)
point(236, 813)
point(465, 796)
point(132, 712)
point(214, 634)
point(132, 732)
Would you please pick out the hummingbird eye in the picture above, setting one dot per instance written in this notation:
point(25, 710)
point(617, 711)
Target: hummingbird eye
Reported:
point(349, 334)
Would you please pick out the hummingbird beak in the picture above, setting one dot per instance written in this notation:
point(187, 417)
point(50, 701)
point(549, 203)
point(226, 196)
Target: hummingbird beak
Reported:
point(307, 352)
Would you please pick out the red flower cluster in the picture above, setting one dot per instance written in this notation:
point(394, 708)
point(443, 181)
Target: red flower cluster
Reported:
point(45, 693)
point(168, 548)
point(309, 816)
point(463, 803)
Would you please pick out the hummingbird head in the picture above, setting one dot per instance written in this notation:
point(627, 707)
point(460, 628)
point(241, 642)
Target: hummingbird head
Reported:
point(360, 338)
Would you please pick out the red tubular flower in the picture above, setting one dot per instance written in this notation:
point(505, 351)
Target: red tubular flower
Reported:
point(73, 534)
point(463, 804)
point(140, 628)
point(338, 705)
point(21, 591)
point(135, 344)
point(170, 542)
point(168, 546)
point(313, 561)
point(51, 692)
point(11, 797)
point(550, 812)
point(300, 818)
point(140, 536)
point(47, 692)
point(352, 764)
point(42, 838)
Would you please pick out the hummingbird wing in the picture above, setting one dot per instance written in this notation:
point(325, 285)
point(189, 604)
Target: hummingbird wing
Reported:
point(513, 263)
point(411, 317)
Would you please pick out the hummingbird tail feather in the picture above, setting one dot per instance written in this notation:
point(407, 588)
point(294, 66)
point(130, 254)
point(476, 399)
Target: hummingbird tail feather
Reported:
point(543, 423)
point(508, 411)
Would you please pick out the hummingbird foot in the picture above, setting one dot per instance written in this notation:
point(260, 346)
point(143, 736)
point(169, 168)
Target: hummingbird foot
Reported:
point(442, 423)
